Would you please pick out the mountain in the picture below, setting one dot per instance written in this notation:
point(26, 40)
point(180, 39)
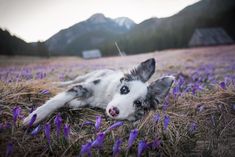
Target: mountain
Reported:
point(176, 31)
point(100, 32)
point(125, 22)
point(12, 45)
point(89, 34)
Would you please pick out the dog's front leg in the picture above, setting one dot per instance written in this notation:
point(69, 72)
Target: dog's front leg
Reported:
point(58, 101)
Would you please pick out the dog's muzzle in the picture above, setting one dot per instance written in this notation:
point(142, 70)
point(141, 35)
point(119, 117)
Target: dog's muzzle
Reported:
point(113, 112)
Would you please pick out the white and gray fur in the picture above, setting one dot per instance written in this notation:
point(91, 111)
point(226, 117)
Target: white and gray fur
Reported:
point(124, 96)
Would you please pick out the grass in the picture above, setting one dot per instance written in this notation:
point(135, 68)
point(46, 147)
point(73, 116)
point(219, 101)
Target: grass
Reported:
point(176, 140)
point(201, 123)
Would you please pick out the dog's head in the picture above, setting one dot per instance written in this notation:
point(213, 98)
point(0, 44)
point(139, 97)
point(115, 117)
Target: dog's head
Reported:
point(134, 97)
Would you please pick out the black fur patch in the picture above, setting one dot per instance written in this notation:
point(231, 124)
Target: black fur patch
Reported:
point(142, 110)
point(158, 90)
point(139, 114)
point(75, 88)
point(142, 72)
point(96, 82)
point(80, 91)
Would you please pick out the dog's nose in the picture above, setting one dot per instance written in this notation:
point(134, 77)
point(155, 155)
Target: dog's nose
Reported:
point(114, 111)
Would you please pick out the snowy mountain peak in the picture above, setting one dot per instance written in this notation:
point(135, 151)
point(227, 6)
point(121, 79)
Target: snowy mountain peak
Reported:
point(98, 18)
point(125, 22)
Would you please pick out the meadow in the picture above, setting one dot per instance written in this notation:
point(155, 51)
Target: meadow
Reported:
point(196, 119)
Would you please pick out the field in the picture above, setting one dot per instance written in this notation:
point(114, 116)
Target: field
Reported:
point(196, 119)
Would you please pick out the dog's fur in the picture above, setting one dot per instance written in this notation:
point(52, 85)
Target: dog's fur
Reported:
point(122, 95)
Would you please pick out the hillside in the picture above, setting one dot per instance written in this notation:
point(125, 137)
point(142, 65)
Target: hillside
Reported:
point(12, 45)
point(176, 31)
point(88, 34)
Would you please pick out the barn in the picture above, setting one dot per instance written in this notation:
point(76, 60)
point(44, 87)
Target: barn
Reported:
point(209, 37)
point(89, 54)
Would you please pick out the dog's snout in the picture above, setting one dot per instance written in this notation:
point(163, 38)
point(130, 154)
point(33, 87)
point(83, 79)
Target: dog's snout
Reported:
point(114, 111)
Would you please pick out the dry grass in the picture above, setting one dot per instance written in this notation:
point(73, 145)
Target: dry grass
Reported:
point(214, 134)
point(177, 140)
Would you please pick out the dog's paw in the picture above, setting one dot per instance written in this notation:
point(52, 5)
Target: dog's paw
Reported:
point(40, 116)
point(26, 121)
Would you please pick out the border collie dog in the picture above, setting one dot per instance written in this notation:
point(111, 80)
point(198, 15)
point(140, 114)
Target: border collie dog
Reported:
point(124, 96)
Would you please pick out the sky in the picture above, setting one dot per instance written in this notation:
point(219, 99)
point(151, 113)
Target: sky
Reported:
point(37, 20)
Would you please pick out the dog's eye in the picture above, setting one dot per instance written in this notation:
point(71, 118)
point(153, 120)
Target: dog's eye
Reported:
point(124, 90)
point(137, 103)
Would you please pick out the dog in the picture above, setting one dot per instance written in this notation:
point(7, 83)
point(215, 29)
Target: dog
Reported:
point(124, 96)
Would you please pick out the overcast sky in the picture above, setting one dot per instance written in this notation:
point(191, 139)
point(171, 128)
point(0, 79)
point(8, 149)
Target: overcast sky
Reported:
point(34, 20)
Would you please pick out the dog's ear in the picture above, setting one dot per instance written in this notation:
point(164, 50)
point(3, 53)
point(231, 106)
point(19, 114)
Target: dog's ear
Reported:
point(142, 72)
point(158, 90)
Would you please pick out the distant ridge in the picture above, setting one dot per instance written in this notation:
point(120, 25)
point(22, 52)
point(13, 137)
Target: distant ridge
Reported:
point(12, 45)
point(88, 34)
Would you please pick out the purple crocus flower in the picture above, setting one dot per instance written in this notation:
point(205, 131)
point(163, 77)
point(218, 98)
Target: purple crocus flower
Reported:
point(117, 147)
point(166, 121)
point(154, 144)
point(44, 91)
point(192, 127)
point(187, 89)
point(233, 107)
point(115, 125)
point(9, 149)
point(165, 105)
point(200, 107)
point(228, 80)
point(196, 87)
point(132, 137)
point(86, 149)
point(47, 132)
point(32, 120)
point(213, 120)
point(7, 125)
point(87, 123)
point(223, 85)
point(175, 91)
point(99, 140)
point(58, 122)
point(27, 74)
point(98, 122)
point(16, 112)
point(141, 147)
point(36, 130)
point(66, 131)
point(156, 118)
point(181, 81)
point(40, 75)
